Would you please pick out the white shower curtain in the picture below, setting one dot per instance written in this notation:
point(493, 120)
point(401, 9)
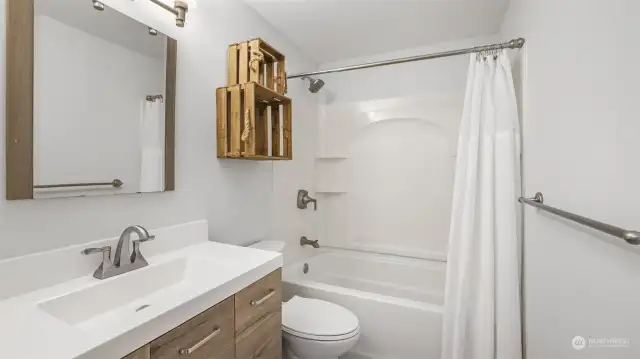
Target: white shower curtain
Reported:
point(152, 147)
point(482, 305)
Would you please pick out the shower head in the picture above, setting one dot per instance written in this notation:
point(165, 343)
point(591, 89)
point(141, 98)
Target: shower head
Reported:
point(314, 84)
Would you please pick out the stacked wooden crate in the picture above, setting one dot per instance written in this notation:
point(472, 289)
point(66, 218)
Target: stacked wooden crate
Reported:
point(253, 113)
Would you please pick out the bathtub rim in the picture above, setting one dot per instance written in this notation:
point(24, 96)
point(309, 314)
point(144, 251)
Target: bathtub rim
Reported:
point(297, 280)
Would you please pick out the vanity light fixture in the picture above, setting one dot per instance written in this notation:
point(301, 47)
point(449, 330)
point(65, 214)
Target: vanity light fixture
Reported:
point(179, 9)
point(98, 5)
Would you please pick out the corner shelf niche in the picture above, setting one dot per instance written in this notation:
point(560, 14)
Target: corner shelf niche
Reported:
point(330, 191)
point(331, 158)
point(331, 174)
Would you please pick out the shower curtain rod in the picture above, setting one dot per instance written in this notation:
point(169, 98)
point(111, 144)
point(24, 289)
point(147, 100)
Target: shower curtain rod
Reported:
point(513, 44)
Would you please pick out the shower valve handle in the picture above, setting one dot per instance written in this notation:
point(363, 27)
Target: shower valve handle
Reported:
point(304, 200)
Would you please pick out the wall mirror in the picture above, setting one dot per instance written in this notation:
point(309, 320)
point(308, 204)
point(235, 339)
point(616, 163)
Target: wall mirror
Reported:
point(90, 101)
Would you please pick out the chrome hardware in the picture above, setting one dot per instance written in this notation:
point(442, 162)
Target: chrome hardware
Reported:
point(305, 241)
point(135, 260)
point(105, 250)
point(305, 268)
point(142, 307)
point(153, 98)
point(255, 303)
point(179, 9)
point(98, 5)
point(189, 351)
point(513, 44)
point(116, 183)
point(304, 200)
point(630, 236)
point(123, 249)
point(106, 266)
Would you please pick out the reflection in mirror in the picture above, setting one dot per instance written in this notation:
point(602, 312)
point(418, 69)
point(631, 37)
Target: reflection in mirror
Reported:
point(99, 102)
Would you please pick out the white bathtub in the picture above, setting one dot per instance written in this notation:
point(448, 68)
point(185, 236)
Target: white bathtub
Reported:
point(397, 300)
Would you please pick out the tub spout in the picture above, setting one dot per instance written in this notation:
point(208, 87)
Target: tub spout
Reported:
point(305, 241)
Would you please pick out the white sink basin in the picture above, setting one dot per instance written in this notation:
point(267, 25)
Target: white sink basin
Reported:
point(87, 318)
point(123, 297)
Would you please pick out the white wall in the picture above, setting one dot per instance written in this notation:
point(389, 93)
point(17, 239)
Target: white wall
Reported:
point(235, 196)
point(89, 131)
point(393, 131)
point(580, 117)
point(288, 223)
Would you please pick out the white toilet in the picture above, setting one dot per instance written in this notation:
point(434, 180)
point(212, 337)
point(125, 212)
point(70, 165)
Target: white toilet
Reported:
point(313, 328)
point(317, 329)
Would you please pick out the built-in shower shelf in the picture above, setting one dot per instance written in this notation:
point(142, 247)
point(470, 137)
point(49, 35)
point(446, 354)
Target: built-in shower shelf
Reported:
point(330, 158)
point(330, 191)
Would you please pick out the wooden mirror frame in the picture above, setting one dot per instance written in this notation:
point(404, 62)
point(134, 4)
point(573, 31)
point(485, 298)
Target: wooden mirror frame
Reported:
point(19, 102)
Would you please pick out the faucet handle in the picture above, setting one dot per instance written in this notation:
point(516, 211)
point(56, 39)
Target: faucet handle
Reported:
point(137, 256)
point(106, 250)
point(106, 259)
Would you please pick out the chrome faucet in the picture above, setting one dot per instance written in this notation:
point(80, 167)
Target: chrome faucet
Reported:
point(132, 261)
point(305, 241)
point(304, 200)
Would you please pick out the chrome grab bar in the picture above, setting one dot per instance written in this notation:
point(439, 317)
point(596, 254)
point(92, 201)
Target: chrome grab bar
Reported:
point(630, 236)
point(116, 183)
point(255, 303)
point(205, 340)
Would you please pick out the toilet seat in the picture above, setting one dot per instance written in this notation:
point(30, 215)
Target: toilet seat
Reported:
point(320, 338)
point(318, 320)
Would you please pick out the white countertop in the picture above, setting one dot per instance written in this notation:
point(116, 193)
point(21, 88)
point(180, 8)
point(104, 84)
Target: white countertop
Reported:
point(212, 272)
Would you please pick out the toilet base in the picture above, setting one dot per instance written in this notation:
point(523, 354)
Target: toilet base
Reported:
point(290, 355)
point(301, 348)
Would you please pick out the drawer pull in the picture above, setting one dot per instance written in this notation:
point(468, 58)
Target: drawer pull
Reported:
point(255, 303)
point(200, 343)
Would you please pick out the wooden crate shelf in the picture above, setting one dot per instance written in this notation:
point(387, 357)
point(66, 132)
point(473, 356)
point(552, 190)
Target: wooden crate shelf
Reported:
point(256, 61)
point(268, 116)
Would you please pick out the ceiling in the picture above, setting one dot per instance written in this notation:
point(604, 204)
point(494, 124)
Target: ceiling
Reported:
point(332, 30)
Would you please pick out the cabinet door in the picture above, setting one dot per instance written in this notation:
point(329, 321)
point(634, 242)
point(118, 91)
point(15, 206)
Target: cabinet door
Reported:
point(258, 300)
point(210, 335)
point(262, 340)
point(259, 319)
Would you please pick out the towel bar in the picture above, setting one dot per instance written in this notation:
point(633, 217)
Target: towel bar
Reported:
point(630, 236)
point(116, 183)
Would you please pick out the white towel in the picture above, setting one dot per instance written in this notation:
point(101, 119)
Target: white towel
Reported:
point(152, 148)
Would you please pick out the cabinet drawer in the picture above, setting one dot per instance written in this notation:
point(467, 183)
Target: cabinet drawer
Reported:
point(209, 335)
point(257, 300)
point(261, 340)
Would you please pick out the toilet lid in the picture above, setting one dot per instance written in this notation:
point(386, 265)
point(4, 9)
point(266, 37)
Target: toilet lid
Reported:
point(317, 318)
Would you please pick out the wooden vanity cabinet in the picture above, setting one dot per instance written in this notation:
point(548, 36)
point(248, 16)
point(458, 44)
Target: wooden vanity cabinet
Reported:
point(209, 335)
point(246, 325)
point(259, 319)
point(142, 353)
